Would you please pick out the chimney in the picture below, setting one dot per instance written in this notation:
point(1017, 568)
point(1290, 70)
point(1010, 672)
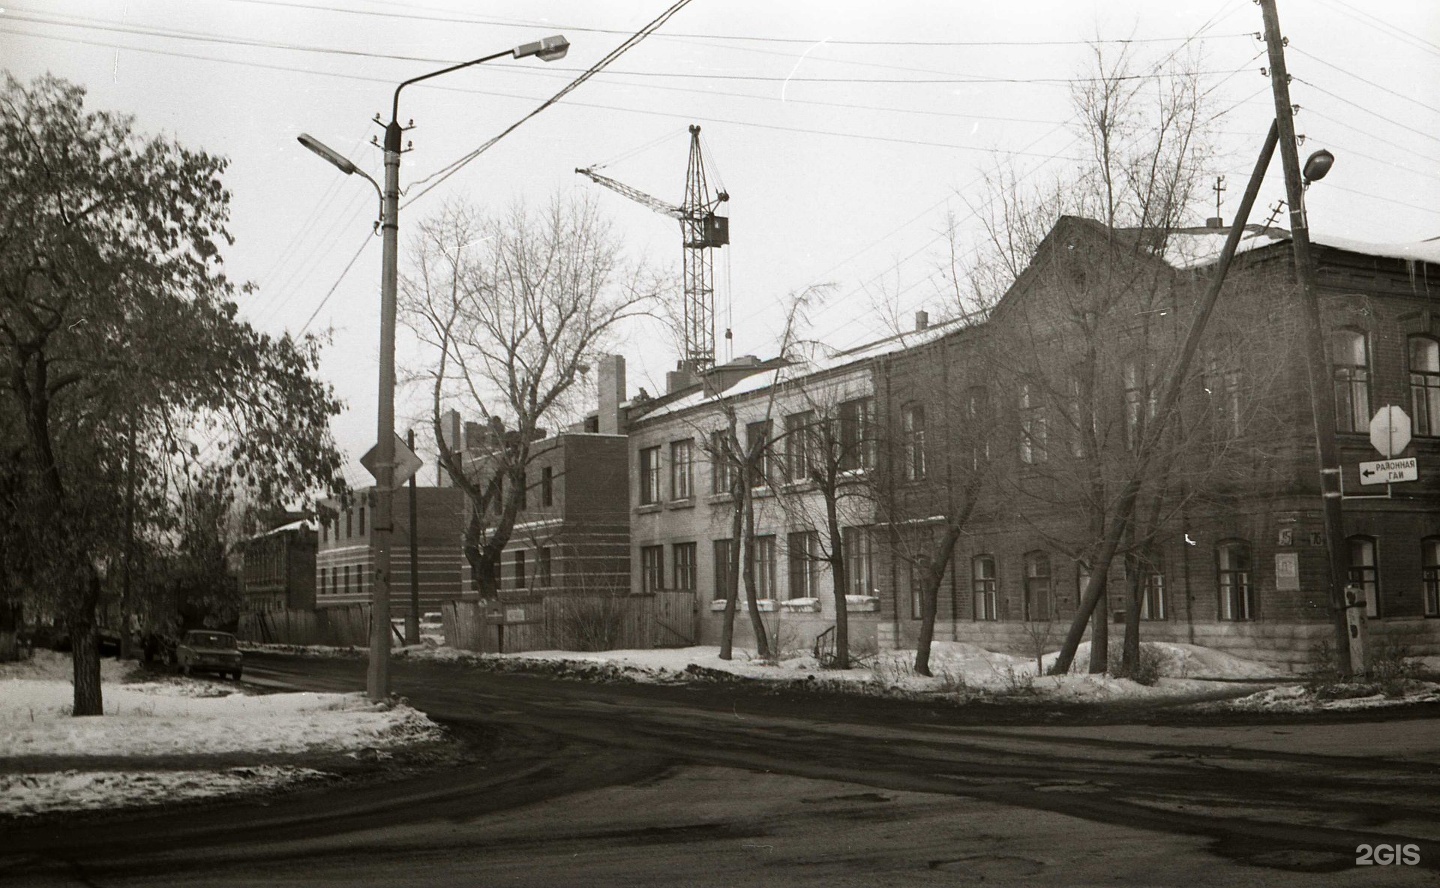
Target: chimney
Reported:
point(681, 377)
point(922, 320)
point(450, 434)
point(1215, 222)
point(612, 392)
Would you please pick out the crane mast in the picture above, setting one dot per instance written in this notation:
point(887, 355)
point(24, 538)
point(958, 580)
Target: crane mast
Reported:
point(701, 231)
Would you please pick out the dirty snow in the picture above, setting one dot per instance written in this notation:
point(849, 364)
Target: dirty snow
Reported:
point(1298, 698)
point(173, 717)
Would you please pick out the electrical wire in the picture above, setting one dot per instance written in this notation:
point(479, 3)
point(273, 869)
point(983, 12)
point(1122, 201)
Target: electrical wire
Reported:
point(1375, 114)
point(369, 236)
point(802, 41)
point(1383, 27)
point(1298, 51)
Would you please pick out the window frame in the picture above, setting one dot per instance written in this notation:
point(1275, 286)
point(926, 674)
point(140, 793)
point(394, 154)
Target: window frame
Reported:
point(1037, 593)
point(802, 563)
point(1352, 412)
point(761, 468)
point(857, 543)
point(763, 558)
point(1034, 429)
point(720, 552)
point(652, 568)
point(547, 486)
point(682, 470)
point(799, 433)
point(987, 587)
point(684, 568)
point(722, 464)
point(1366, 576)
point(1235, 585)
point(650, 475)
point(1424, 386)
point(544, 577)
point(521, 579)
point(857, 442)
point(912, 432)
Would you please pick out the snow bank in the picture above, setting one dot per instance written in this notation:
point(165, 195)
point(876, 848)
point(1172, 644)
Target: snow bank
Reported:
point(28, 794)
point(1298, 698)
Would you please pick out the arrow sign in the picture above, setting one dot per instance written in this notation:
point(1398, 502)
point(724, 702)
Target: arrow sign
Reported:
point(1390, 431)
point(406, 462)
point(1389, 471)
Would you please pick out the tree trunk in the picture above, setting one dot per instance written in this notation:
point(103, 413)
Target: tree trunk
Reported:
point(757, 624)
point(929, 596)
point(732, 586)
point(85, 650)
point(840, 581)
point(1130, 651)
point(1100, 633)
point(12, 613)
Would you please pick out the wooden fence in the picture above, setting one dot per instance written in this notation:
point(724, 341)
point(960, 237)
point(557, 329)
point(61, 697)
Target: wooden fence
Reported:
point(573, 623)
point(341, 626)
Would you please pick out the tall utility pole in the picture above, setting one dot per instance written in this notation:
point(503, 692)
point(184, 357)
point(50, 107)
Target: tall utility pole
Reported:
point(1322, 403)
point(412, 622)
point(377, 683)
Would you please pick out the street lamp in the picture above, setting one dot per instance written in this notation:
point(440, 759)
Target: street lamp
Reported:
point(378, 679)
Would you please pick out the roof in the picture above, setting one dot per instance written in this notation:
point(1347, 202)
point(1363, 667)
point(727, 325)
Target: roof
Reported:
point(811, 358)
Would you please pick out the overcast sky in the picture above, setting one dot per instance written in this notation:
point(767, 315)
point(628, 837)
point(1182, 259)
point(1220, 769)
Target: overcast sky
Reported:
point(843, 134)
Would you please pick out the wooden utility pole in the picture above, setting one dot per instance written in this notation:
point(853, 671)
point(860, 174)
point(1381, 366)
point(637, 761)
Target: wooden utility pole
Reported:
point(1322, 403)
point(412, 621)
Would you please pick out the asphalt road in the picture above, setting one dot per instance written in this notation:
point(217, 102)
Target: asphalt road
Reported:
point(572, 783)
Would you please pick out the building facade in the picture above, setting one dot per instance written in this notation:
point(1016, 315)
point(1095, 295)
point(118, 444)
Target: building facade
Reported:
point(276, 569)
point(1229, 549)
point(345, 559)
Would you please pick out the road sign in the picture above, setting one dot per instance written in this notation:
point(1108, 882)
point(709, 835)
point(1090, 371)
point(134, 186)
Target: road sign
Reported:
point(406, 462)
point(1389, 471)
point(1390, 431)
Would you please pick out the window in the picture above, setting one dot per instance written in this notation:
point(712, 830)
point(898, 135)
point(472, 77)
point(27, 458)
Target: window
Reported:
point(334, 580)
point(857, 445)
point(1134, 406)
point(1079, 398)
point(803, 556)
point(722, 463)
point(723, 551)
point(325, 531)
point(543, 576)
point(757, 449)
point(1222, 386)
point(799, 432)
point(524, 498)
point(763, 560)
point(652, 568)
point(683, 555)
point(1039, 600)
point(362, 521)
point(912, 428)
point(1032, 426)
point(1425, 385)
point(324, 588)
point(1350, 359)
point(347, 579)
point(857, 545)
point(649, 475)
point(520, 569)
point(1152, 590)
point(1430, 574)
point(983, 586)
point(1363, 572)
point(915, 578)
point(977, 425)
point(547, 486)
point(349, 524)
point(681, 459)
point(1237, 595)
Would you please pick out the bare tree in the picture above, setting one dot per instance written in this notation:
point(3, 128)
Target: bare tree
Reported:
point(514, 309)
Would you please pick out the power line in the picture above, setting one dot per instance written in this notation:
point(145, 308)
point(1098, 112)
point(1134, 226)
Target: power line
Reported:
point(799, 41)
point(369, 236)
point(1384, 27)
point(1298, 50)
point(1376, 114)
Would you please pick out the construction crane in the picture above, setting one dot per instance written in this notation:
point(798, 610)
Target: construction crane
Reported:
point(701, 231)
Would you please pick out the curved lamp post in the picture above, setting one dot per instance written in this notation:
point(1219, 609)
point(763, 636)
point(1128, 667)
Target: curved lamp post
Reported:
point(377, 684)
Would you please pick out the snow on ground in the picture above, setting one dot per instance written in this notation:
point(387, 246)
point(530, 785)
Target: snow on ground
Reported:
point(957, 668)
point(173, 717)
point(1298, 698)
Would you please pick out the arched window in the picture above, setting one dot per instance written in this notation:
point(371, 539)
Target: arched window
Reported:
point(1350, 361)
point(1430, 574)
point(1039, 600)
point(1425, 384)
point(1233, 578)
point(1363, 572)
point(984, 584)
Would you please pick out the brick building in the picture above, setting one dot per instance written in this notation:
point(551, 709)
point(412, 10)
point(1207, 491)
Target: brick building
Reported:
point(276, 568)
point(344, 561)
point(1232, 556)
point(682, 506)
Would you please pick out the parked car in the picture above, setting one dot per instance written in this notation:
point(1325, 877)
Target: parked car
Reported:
point(204, 650)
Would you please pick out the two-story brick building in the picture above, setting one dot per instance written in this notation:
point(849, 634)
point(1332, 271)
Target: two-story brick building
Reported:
point(1232, 555)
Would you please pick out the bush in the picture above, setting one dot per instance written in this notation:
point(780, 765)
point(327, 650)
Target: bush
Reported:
point(591, 622)
point(1391, 670)
point(1147, 668)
